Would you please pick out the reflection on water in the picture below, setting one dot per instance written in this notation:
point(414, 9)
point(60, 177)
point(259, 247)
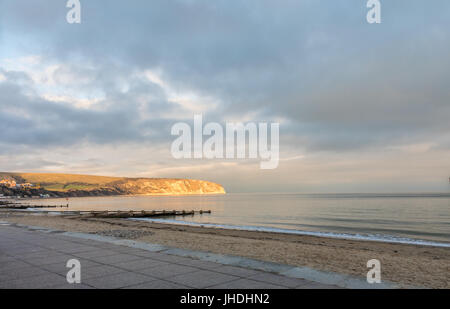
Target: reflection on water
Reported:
point(414, 216)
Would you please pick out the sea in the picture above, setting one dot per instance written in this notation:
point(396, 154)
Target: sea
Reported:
point(422, 219)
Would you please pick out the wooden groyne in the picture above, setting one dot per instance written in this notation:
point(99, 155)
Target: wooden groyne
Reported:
point(136, 214)
point(106, 213)
point(17, 206)
point(6, 203)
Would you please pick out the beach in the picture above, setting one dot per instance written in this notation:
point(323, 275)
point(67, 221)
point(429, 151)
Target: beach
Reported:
point(412, 265)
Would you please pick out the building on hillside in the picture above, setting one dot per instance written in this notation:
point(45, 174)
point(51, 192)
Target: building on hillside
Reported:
point(7, 183)
point(24, 185)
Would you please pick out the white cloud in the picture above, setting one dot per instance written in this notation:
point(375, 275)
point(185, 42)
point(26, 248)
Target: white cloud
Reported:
point(188, 99)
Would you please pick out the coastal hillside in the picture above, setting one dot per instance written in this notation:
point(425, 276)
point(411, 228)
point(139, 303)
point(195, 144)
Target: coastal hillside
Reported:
point(27, 184)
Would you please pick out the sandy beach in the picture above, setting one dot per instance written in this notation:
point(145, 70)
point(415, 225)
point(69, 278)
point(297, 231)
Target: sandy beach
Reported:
point(413, 265)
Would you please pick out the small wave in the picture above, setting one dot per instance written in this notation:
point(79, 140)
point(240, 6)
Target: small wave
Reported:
point(368, 237)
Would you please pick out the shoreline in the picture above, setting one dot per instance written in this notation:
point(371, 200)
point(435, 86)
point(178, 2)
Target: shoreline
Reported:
point(345, 236)
point(413, 265)
point(384, 238)
point(36, 198)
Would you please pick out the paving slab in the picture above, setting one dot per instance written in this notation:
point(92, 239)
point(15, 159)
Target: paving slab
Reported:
point(114, 259)
point(21, 273)
point(142, 263)
point(201, 264)
point(167, 270)
point(4, 259)
point(279, 280)
point(246, 284)
point(7, 266)
point(236, 271)
point(100, 271)
point(95, 253)
point(158, 284)
point(321, 286)
point(202, 279)
point(56, 259)
point(80, 249)
point(34, 257)
point(66, 286)
point(61, 268)
point(120, 280)
point(35, 282)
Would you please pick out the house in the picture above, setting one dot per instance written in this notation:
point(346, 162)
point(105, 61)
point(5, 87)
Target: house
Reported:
point(7, 183)
point(25, 185)
point(12, 184)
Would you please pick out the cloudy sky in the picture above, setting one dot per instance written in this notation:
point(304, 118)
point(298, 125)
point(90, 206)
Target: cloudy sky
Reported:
point(362, 107)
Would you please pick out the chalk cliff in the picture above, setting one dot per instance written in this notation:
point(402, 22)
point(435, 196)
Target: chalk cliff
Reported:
point(86, 185)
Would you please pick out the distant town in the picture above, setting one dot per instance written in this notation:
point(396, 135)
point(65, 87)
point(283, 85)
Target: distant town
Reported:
point(13, 184)
point(20, 190)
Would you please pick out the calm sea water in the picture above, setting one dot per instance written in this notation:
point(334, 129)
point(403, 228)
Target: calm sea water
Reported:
point(415, 218)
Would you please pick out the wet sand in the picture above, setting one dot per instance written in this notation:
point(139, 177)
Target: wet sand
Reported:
point(407, 264)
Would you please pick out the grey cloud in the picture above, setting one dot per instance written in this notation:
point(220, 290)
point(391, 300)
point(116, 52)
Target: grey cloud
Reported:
point(341, 83)
point(26, 120)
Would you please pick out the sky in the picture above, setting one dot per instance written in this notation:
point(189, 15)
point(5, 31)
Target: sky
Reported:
point(362, 107)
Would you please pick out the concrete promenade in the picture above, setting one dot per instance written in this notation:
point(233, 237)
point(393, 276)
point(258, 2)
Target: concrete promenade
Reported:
point(36, 258)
